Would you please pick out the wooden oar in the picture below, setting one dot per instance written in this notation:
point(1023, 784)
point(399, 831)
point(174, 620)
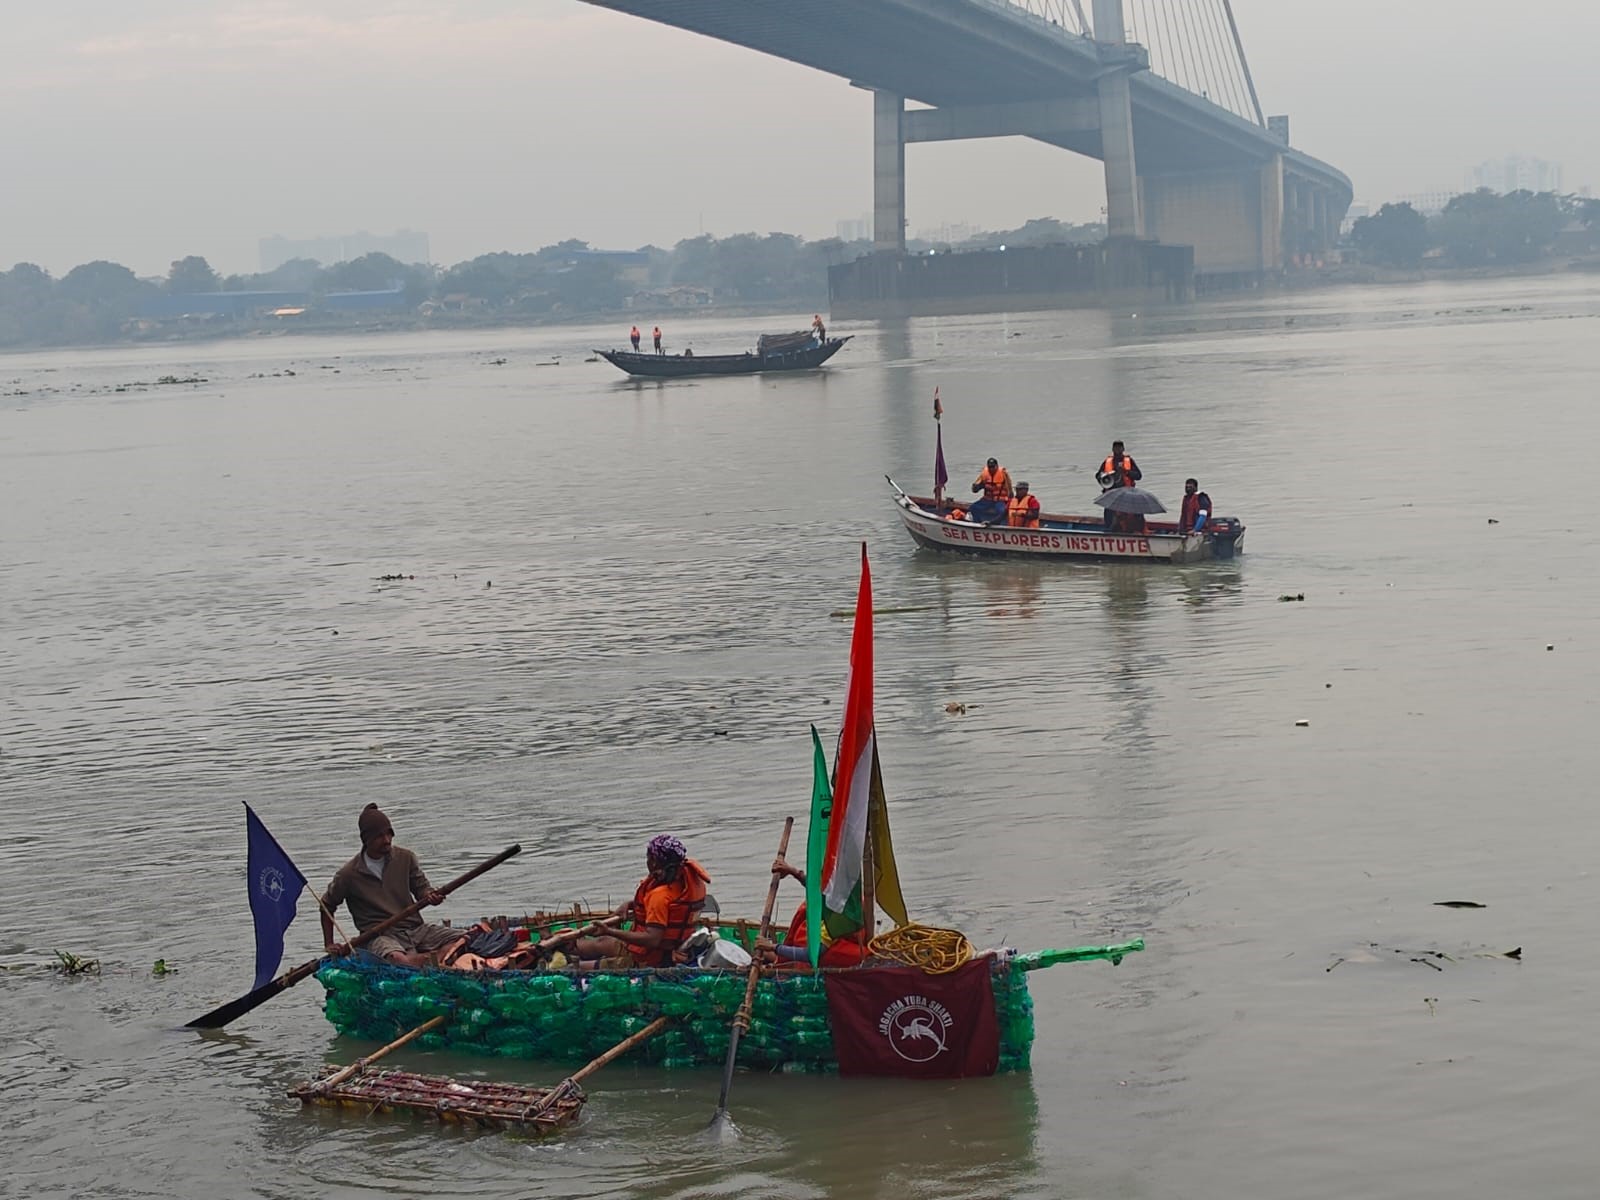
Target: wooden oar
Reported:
point(234, 1009)
point(741, 1020)
point(361, 1064)
point(570, 1084)
point(541, 948)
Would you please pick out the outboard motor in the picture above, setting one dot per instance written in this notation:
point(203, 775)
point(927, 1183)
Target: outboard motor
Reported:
point(1224, 533)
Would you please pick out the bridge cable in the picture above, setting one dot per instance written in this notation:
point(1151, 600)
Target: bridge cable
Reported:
point(1244, 63)
point(1241, 103)
point(1220, 59)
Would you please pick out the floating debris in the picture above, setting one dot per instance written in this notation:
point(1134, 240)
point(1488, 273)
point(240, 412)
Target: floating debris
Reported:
point(392, 578)
point(1458, 904)
point(955, 708)
point(497, 362)
point(71, 964)
point(1286, 598)
point(161, 968)
point(1302, 723)
point(1494, 521)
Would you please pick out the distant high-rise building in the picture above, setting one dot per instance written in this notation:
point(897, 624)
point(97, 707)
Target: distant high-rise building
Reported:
point(1429, 204)
point(405, 246)
point(1515, 173)
point(857, 230)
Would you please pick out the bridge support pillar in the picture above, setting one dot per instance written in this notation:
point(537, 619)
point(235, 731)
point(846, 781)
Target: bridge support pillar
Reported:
point(888, 173)
point(1124, 214)
point(1271, 227)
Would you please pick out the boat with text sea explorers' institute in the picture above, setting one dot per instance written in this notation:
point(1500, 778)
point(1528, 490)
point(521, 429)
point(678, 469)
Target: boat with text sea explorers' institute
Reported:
point(918, 1001)
point(1065, 536)
point(774, 352)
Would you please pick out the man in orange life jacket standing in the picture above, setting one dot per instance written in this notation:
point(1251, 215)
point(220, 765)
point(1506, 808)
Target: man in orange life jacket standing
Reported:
point(633, 336)
point(994, 481)
point(663, 911)
point(656, 333)
point(1118, 471)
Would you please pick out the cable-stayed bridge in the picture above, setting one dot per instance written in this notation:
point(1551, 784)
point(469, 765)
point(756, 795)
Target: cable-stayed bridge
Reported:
point(1159, 90)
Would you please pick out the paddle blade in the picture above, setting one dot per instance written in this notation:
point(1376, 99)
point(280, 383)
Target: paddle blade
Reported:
point(722, 1131)
point(234, 1009)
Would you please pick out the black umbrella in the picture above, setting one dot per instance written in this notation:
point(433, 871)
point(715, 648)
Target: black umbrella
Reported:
point(1130, 500)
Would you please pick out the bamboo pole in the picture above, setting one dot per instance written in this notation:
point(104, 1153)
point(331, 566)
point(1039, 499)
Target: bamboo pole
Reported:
point(570, 1084)
point(741, 1020)
point(361, 1064)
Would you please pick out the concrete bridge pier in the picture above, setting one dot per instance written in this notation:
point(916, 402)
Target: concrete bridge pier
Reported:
point(1234, 217)
point(1124, 212)
point(888, 173)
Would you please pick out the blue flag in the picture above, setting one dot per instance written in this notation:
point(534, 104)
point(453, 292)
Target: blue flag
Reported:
point(275, 885)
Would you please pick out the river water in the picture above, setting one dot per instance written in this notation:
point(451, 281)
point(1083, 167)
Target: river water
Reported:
point(620, 623)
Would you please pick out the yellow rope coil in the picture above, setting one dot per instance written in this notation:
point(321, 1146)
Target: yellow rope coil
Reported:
point(936, 951)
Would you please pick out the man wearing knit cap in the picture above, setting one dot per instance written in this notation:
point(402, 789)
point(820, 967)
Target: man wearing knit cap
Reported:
point(382, 880)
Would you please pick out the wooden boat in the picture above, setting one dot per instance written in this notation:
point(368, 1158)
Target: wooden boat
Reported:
point(782, 354)
point(570, 1015)
point(1066, 537)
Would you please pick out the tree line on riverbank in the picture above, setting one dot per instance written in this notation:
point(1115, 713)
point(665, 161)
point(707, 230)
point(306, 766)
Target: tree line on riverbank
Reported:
point(105, 301)
point(1478, 229)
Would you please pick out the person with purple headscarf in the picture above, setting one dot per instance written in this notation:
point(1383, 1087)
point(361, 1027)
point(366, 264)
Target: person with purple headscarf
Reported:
point(660, 915)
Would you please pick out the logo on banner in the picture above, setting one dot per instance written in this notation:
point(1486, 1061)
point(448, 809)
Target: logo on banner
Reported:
point(271, 884)
point(916, 1028)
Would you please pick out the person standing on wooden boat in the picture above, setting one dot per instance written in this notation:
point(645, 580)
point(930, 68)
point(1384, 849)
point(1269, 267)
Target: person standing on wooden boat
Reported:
point(663, 911)
point(1118, 471)
point(818, 329)
point(1023, 511)
point(1196, 509)
point(633, 336)
point(656, 333)
point(377, 883)
point(994, 481)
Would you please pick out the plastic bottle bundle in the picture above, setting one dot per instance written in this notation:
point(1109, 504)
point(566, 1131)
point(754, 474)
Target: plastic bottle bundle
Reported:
point(560, 1026)
point(673, 1043)
point(609, 993)
point(726, 993)
point(765, 1003)
point(342, 980)
point(342, 1009)
point(809, 997)
point(670, 999)
point(464, 989)
point(558, 990)
point(393, 986)
point(811, 1044)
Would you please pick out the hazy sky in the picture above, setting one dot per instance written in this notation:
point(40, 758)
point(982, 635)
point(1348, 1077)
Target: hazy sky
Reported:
point(143, 131)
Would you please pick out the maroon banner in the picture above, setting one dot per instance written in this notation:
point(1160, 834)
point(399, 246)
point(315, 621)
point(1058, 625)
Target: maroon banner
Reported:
point(902, 1021)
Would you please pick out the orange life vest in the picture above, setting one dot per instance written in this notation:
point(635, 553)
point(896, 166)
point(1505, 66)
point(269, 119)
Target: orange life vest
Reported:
point(956, 514)
point(996, 486)
point(841, 952)
point(1023, 512)
point(1123, 470)
point(686, 897)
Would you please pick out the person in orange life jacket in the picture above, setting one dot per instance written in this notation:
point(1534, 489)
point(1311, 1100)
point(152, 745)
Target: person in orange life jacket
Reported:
point(662, 911)
point(656, 333)
point(1023, 511)
point(953, 511)
point(1118, 471)
point(1196, 508)
point(793, 952)
point(995, 483)
point(633, 336)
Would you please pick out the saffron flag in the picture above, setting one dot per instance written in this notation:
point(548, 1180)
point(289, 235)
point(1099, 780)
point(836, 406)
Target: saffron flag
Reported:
point(903, 1021)
point(859, 803)
point(816, 846)
point(275, 884)
point(940, 475)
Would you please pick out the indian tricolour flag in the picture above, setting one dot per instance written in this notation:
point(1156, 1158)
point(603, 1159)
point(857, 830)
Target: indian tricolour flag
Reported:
point(858, 798)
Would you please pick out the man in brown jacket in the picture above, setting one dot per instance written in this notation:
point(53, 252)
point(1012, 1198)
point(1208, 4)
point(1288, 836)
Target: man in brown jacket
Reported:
point(377, 883)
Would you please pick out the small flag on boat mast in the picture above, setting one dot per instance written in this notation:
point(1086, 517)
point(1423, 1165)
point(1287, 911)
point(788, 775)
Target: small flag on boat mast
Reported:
point(938, 409)
point(275, 884)
point(940, 475)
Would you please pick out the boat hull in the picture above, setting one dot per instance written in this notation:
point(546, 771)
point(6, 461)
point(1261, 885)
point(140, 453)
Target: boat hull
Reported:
point(676, 366)
point(1065, 537)
point(574, 1016)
